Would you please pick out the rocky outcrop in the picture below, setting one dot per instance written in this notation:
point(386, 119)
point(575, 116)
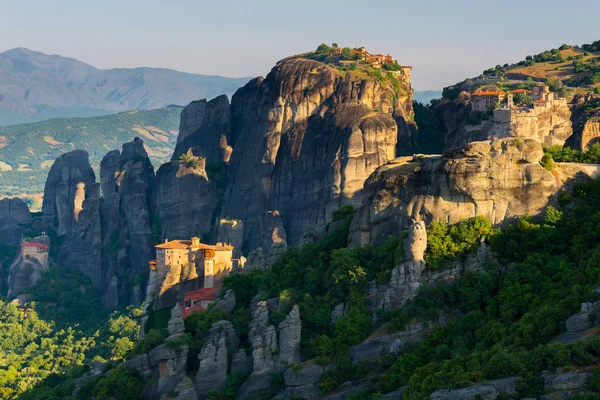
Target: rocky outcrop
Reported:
point(206, 125)
point(270, 354)
point(164, 366)
point(185, 198)
point(409, 276)
point(590, 134)
point(28, 267)
point(499, 180)
point(214, 362)
point(302, 381)
point(72, 206)
point(416, 242)
point(14, 211)
point(127, 180)
point(488, 390)
point(371, 349)
point(303, 141)
point(70, 182)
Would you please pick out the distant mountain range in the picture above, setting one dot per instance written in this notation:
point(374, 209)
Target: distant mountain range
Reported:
point(35, 86)
point(27, 151)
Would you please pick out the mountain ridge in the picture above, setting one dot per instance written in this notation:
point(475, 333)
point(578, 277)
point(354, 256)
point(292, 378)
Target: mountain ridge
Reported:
point(35, 86)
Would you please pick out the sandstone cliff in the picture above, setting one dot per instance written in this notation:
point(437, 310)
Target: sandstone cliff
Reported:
point(499, 180)
point(302, 142)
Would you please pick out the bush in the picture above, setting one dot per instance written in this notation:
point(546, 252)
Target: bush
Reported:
point(446, 244)
point(547, 162)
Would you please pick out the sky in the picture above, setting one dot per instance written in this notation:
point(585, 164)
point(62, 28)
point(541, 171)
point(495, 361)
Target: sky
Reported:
point(444, 41)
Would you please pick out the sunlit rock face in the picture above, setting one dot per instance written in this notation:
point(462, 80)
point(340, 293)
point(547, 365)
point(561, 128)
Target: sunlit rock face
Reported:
point(301, 143)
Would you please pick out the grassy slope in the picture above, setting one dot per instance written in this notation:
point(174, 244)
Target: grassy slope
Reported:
point(30, 149)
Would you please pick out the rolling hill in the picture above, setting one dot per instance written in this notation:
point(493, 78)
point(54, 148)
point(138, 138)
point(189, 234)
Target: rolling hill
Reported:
point(35, 86)
point(27, 151)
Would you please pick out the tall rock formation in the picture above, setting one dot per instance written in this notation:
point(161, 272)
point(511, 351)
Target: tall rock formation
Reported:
point(70, 181)
point(206, 125)
point(499, 180)
point(185, 199)
point(13, 212)
point(72, 205)
point(29, 265)
point(127, 180)
point(303, 140)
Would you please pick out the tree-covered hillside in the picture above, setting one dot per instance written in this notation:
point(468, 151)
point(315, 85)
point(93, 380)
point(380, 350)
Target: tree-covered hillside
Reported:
point(27, 151)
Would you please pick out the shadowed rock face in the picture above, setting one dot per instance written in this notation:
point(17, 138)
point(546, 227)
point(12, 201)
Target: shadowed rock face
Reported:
point(499, 180)
point(303, 139)
point(13, 211)
point(206, 125)
point(127, 180)
point(67, 185)
point(185, 198)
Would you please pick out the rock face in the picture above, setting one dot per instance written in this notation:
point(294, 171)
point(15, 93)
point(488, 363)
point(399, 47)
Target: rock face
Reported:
point(72, 205)
point(27, 269)
point(127, 180)
point(213, 358)
point(303, 140)
point(499, 180)
point(70, 181)
point(416, 242)
point(408, 277)
point(14, 211)
point(206, 125)
point(270, 354)
point(588, 316)
point(164, 366)
point(590, 134)
point(185, 199)
point(489, 390)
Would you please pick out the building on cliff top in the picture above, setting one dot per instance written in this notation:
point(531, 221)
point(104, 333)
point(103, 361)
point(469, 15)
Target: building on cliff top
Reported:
point(212, 262)
point(206, 264)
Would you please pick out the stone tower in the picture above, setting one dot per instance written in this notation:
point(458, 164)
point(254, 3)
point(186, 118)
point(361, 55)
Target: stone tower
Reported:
point(208, 259)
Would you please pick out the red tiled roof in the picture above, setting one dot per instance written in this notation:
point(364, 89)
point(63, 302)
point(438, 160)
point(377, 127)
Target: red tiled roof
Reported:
point(33, 244)
point(186, 312)
point(186, 244)
point(494, 93)
point(201, 294)
point(518, 91)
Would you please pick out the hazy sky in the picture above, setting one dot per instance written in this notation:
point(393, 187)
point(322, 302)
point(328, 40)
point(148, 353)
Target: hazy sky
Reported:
point(444, 41)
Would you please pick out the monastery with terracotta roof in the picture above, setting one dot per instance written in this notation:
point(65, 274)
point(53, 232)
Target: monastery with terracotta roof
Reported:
point(194, 268)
